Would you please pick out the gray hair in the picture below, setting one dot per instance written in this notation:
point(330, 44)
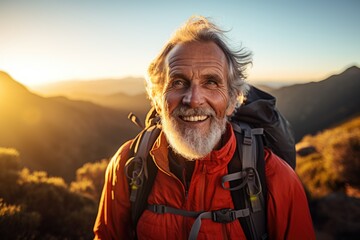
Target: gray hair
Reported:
point(201, 29)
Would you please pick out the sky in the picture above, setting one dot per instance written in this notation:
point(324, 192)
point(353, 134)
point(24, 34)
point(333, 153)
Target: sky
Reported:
point(43, 41)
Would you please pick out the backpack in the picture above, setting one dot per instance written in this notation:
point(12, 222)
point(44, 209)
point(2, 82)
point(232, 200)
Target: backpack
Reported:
point(256, 124)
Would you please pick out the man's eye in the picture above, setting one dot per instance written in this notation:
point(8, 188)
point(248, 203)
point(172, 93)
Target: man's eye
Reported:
point(178, 83)
point(211, 82)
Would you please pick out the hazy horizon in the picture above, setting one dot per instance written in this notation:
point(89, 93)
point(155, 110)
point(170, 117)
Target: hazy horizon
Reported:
point(43, 88)
point(292, 42)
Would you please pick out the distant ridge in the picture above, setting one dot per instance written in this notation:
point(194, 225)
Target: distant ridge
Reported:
point(100, 87)
point(312, 107)
point(127, 94)
point(7, 83)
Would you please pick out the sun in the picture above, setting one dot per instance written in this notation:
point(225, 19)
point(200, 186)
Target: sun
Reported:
point(29, 75)
point(31, 72)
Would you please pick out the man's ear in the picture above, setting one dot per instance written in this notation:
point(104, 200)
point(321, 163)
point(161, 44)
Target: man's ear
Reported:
point(232, 106)
point(230, 109)
point(157, 106)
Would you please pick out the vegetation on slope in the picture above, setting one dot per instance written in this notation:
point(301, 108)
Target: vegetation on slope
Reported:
point(329, 166)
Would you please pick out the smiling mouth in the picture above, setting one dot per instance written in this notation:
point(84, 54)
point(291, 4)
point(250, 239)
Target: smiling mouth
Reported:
point(197, 118)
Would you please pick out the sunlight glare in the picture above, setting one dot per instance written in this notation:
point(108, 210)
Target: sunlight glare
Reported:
point(32, 71)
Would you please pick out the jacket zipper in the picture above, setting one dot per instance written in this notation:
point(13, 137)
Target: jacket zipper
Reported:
point(203, 177)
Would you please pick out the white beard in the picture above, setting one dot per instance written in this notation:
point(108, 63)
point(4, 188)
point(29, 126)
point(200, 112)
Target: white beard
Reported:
point(192, 143)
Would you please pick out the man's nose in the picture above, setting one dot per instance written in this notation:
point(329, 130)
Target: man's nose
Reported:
point(193, 97)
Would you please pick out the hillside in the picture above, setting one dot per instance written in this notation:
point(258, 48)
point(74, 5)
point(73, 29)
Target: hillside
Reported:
point(315, 106)
point(56, 134)
point(329, 165)
point(330, 160)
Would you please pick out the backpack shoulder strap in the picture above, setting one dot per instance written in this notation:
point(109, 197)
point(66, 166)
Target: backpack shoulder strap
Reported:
point(247, 179)
point(141, 170)
point(260, 110)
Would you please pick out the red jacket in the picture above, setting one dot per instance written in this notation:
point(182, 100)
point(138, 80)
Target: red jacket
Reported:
point(287, 210)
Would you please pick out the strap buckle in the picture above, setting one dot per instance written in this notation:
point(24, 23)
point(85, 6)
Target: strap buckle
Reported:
point(225, 215)
point(160, 209)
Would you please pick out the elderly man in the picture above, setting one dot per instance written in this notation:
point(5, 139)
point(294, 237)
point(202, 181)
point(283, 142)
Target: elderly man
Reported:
point(195, 84)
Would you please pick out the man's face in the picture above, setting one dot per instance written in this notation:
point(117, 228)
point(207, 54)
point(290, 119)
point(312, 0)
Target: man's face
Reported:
point(195, 100)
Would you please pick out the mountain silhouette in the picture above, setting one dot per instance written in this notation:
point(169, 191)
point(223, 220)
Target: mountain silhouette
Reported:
point(127, 94)
point(315, 106)
point(9, 86)
point(56, 134)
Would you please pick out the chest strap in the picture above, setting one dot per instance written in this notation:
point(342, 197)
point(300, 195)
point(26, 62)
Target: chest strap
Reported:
point(225, 215)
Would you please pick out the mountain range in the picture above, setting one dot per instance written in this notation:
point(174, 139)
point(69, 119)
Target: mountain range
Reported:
point(315, 106)
point(127, 94)
point(59, 134)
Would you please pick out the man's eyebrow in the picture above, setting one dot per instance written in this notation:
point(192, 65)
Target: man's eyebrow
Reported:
point(177, 75)
point(215, 77)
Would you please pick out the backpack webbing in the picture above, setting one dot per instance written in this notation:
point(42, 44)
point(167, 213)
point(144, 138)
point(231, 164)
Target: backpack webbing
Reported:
point(141, 170)
point(252, 158)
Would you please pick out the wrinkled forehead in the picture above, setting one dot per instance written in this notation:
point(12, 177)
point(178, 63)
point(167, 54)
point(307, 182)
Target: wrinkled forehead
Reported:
point(201, 52)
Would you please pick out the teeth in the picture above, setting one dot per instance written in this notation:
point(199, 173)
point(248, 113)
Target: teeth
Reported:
point(194, 118)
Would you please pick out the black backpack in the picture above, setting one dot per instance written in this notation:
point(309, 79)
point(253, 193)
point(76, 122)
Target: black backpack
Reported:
point(256, 124)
